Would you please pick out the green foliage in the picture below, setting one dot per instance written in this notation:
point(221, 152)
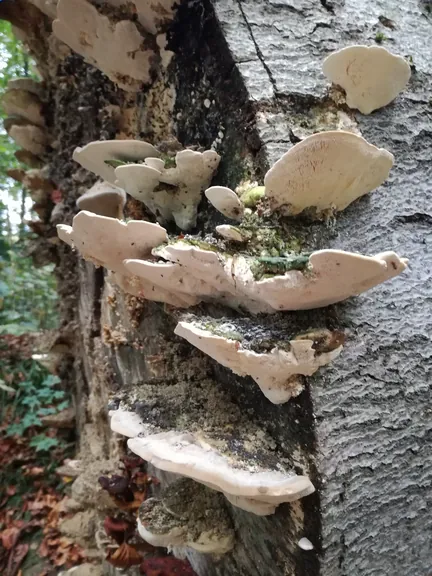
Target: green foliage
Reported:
point(43, 443)
point(28, 295)
point(14, 62)
point(36, 395)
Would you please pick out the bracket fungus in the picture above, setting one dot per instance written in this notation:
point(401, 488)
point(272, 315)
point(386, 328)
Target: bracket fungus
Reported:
point(24, 104)
point(327, 277)
point(26, 84)
point(225, 201)
point(114, 47)
point(182, 431)
point(152, 15)
point(187, 514)
point(326, 171)
point(168, 192)
point(189, 274)
point(171, 193)
point(232, 233)
point(103, 199)
point(108, 242)
point(96, 156)
point(30, 138)
point(371, 76)
point(276, 372)
point(48, 7)
point(28, 158)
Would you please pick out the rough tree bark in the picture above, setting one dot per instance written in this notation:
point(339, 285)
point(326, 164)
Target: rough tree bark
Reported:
point(361, 429)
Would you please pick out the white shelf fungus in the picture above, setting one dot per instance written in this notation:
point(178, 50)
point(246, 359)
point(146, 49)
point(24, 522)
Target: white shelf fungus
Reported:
point(103, 199)
point(231, 233)
point(151, 15)
point(114, 47)
point(326, 171)
point(305, 544)
point(26, 84)
point(25, 104)
point(276, 372)
point(30, 138)
point(192, 428)
point(94, 156)
point(187, 515)
point(185, 454)
point(191, 273)
point(371, 76)
point(329, 277)
point(108, 242)
point(256, 490)
point(225, 201)
point(170, 193)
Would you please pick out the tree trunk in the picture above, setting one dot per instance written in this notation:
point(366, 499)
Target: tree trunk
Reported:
point(248, 73)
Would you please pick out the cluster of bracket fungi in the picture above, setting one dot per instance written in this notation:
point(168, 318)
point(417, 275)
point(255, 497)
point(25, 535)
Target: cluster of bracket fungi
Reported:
point(320, 176)
point(246, 266)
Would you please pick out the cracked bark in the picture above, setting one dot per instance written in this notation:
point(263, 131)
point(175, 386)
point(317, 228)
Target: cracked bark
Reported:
point(362, 426)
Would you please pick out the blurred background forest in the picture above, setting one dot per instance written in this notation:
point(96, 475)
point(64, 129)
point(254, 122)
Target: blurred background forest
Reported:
point(31, 447)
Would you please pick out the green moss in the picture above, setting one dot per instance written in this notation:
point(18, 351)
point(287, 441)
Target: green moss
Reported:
point(269, 266)
point(266, 239)
point(218, 330)
point(170, 161)
point(116, 163)
point(380, 37)
point(251, 197)
point(199, 244)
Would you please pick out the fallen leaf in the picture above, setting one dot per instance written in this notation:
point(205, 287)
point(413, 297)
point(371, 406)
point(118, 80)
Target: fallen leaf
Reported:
point(11, 490)
point(9, 537)
point(138, 498)
point(15, 559)
point(35, 471)
point(118, 529)
point(124, 557)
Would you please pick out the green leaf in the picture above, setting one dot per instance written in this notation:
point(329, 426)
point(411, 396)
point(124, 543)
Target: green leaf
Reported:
point(51, 381)
point(46, 411)
point(30, 401)
point(63, 405)
point(43, 443)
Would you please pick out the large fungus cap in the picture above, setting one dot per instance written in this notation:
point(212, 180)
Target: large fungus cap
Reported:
point(328, 170)
point(184, 454)
point(103, 199)
point(108, 241)
point(276, 372)
point(332, 276)
point(114, 47)
point(29, 137)
point(370, 75)
point(93, 156)
point(25, 104)
point(225, 201)
point(214, 443)
point(27, 84)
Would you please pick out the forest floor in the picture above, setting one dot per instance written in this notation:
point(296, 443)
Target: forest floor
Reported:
point(34, 496)
point(31, 493)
